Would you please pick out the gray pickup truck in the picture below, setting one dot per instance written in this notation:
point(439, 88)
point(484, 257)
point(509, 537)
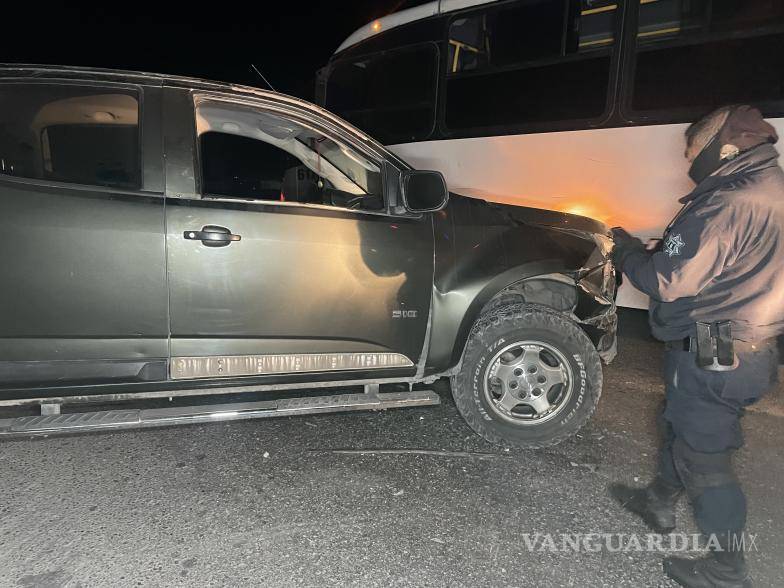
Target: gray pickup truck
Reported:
point(173, 238)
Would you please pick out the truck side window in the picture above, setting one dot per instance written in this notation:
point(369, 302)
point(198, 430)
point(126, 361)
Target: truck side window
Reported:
point(250, 154)
point(696, 55)
point(241, 167)
point(74, 134)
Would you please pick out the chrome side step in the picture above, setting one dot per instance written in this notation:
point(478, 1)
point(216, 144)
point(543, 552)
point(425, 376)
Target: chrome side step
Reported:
point(51, 421)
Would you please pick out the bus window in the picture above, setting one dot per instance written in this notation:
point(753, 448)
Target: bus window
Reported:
point(597, 24)
point(673, 18)
point(468, 44)
point(694, 55)
point(524, 62)
point(529, 31)
point(405, 5)
point(389, 95)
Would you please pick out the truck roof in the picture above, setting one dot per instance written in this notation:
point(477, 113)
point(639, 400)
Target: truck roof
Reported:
point(37, 71)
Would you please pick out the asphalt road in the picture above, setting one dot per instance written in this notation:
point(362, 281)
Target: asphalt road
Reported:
point(271, 503)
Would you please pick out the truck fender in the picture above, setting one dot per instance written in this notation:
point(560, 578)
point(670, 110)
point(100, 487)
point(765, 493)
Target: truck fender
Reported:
point(455, 311)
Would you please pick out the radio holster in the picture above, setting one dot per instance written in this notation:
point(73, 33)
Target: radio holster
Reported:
point(715, 349)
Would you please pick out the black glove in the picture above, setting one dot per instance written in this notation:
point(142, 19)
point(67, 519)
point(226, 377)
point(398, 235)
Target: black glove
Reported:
point(625, 245)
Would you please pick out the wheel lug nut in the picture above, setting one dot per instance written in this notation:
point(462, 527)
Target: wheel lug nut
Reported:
point(518, 372)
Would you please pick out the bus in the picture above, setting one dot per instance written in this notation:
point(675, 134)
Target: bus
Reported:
point(572, 105)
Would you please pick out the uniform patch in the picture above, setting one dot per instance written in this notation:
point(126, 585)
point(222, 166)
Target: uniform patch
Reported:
point(673, 245)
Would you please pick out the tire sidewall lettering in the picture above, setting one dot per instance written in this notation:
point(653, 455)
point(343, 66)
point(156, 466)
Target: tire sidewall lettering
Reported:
point(476, 382)
point(494, 331)
point(493, 346)
point(583, 388)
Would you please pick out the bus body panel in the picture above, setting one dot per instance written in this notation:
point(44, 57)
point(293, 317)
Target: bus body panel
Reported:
point(669, 64)
point(588, 173)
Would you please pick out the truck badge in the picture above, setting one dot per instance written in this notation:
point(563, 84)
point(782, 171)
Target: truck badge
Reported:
point(396, 314)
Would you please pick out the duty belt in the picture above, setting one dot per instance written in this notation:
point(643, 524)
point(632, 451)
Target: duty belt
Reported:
point(713, 345)
point(689, 344)
point(686, 344)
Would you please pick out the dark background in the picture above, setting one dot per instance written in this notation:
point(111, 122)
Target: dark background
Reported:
point(288, 41)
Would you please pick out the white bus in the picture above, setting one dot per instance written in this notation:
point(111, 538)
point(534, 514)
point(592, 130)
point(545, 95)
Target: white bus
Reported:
point(570, 105)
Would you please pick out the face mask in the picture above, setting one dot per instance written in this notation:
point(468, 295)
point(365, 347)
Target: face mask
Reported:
point(707, 162)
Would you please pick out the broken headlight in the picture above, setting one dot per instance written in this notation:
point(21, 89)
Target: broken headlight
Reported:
point(604, 243)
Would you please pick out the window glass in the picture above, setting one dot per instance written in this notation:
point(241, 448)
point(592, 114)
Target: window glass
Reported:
point(389, 95)
point(254, 155)
point(529, 61)
point(406, 4)
point(694, 55)
point(661, 19)
point(596, 24)
point(70, 134)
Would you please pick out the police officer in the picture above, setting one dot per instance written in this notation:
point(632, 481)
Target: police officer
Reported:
point(716, 286)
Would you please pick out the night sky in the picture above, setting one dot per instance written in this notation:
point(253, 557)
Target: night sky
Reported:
point(288, 41)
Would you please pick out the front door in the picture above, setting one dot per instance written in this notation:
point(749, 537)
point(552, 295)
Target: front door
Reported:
point(286, 262)
point(82, 266)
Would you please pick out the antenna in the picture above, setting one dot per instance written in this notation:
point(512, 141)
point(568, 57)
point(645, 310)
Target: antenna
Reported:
point(261, 75)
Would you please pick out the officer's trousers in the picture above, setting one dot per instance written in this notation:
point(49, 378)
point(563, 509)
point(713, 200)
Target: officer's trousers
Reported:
point(701, 429)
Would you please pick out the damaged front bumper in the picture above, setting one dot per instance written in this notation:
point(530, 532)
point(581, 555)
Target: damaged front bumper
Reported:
point(595, 309)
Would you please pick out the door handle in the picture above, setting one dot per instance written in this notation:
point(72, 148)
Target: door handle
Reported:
point(212, 236)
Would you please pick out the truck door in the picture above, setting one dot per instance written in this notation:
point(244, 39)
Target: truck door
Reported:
point(285, 261)
point(83, 297)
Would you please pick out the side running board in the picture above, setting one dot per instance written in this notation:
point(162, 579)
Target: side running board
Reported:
point(51, 421)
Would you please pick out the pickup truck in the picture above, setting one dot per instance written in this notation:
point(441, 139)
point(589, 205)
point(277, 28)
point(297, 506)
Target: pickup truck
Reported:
point(173, 238)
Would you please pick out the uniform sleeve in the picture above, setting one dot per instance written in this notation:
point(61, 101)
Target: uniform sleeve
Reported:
point(694, 253)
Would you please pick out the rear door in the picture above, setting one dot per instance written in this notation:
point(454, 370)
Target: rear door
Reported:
point(83, 297)
point(283, 259)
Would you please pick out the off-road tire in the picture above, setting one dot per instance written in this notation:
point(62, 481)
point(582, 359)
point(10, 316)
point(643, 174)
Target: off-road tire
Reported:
point(525, 322)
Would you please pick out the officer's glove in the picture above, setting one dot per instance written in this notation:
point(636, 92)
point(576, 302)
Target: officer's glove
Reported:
point(625, 245)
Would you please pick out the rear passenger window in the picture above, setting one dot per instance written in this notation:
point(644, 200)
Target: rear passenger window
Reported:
point(695, 55)
point(74, 134)
point(530, 61)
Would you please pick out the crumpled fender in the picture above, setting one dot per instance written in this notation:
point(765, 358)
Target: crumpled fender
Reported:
point(481, 249)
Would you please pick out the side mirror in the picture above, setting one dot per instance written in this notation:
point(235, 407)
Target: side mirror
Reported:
point(423, 191)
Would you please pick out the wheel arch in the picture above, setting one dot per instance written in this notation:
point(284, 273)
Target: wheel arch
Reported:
point(455, 311)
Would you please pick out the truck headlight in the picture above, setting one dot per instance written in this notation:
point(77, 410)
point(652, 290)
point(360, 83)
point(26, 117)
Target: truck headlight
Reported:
point(604, 243)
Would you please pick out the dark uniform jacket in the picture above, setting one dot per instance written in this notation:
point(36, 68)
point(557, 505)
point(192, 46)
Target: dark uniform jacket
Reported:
point(722, 257)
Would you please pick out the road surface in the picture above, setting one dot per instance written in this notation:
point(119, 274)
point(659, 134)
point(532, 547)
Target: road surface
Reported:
point(280, 502)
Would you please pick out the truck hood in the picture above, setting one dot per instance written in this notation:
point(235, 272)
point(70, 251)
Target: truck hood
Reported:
point(551, 218)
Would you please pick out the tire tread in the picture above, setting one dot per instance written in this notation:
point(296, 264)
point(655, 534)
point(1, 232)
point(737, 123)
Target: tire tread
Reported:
point(518, 314)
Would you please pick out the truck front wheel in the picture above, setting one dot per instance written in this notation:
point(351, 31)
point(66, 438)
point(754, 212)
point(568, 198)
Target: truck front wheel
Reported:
point(530, 377)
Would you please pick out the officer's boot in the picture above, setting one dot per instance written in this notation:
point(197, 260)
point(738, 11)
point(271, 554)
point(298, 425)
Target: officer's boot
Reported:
point(720, 512)
point(720, 570)
point(654, 503)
